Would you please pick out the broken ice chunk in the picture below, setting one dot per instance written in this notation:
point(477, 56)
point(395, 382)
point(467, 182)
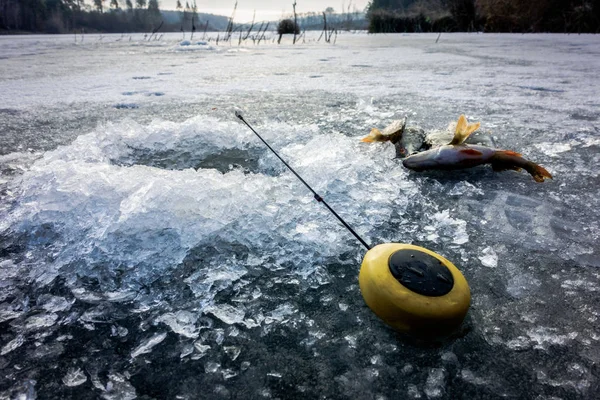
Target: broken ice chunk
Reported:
point(489, 258)
point(40, 321)
point(13, 344)
point(469, 376)
point(227, 313)
point(228, 373)
point(413, 391)
point(186, 350)
point(117, 330)
point(211, 367)
point(463, 188)
point(24, 390)
point(54, 303)
point(118, 388)
point(352, 340)
point(201, 348)
point(8, 312)
point(280, 313)
point(74, 377)
point(232, 351)
point(182, 323)
point(147, 345)
point(434, 387)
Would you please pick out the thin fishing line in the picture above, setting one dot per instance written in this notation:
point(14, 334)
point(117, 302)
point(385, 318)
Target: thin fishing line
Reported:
point(317, 196)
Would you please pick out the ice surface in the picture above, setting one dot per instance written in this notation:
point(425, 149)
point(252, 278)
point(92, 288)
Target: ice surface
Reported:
point(22, 391)
point(118, 388)
point(146, 235)
point(434, 387)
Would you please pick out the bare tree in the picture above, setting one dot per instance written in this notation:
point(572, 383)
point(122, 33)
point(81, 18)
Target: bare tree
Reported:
point(205, 29)
point(251, 26)
point(230, 23)
point(262, 37)
point(194, 15)
point(295, 22)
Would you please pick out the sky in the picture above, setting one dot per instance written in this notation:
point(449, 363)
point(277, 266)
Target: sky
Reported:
point(265, 9)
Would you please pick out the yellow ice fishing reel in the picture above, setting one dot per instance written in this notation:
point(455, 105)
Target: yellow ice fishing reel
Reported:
point(412, 289)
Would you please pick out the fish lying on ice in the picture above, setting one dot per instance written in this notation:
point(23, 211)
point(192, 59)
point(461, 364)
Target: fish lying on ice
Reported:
point(406, 140)
point(459, 155)
point(412, 139)
point(392, 133)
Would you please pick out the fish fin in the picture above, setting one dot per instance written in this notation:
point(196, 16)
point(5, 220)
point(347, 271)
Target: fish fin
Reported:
point(471, 152)
point(461, 124)
point(373, 136)
point(473, 127)
point(510, 153)
point(463, 130)
point(540, 173)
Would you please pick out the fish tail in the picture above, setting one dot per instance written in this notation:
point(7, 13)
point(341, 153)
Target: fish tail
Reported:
point(373, 136)
point(506, 159)
point(463, 130)
point(538, 172)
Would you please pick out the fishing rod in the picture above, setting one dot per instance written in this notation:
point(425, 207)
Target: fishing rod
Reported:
point(317, 196)
point(411, 288)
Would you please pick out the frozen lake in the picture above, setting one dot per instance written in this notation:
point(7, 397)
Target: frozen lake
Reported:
point(152, 248)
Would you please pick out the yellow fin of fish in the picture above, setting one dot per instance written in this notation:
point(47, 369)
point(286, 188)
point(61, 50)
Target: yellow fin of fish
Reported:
point(374, 136)
point(463, 130)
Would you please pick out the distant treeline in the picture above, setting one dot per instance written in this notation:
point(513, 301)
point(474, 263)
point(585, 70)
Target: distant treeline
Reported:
point(123, 16)
point(107, 16)
point(348, 19)
point(569, 16)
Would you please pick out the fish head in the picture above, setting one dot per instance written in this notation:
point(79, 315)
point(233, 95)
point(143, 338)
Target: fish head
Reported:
point(421, 161)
